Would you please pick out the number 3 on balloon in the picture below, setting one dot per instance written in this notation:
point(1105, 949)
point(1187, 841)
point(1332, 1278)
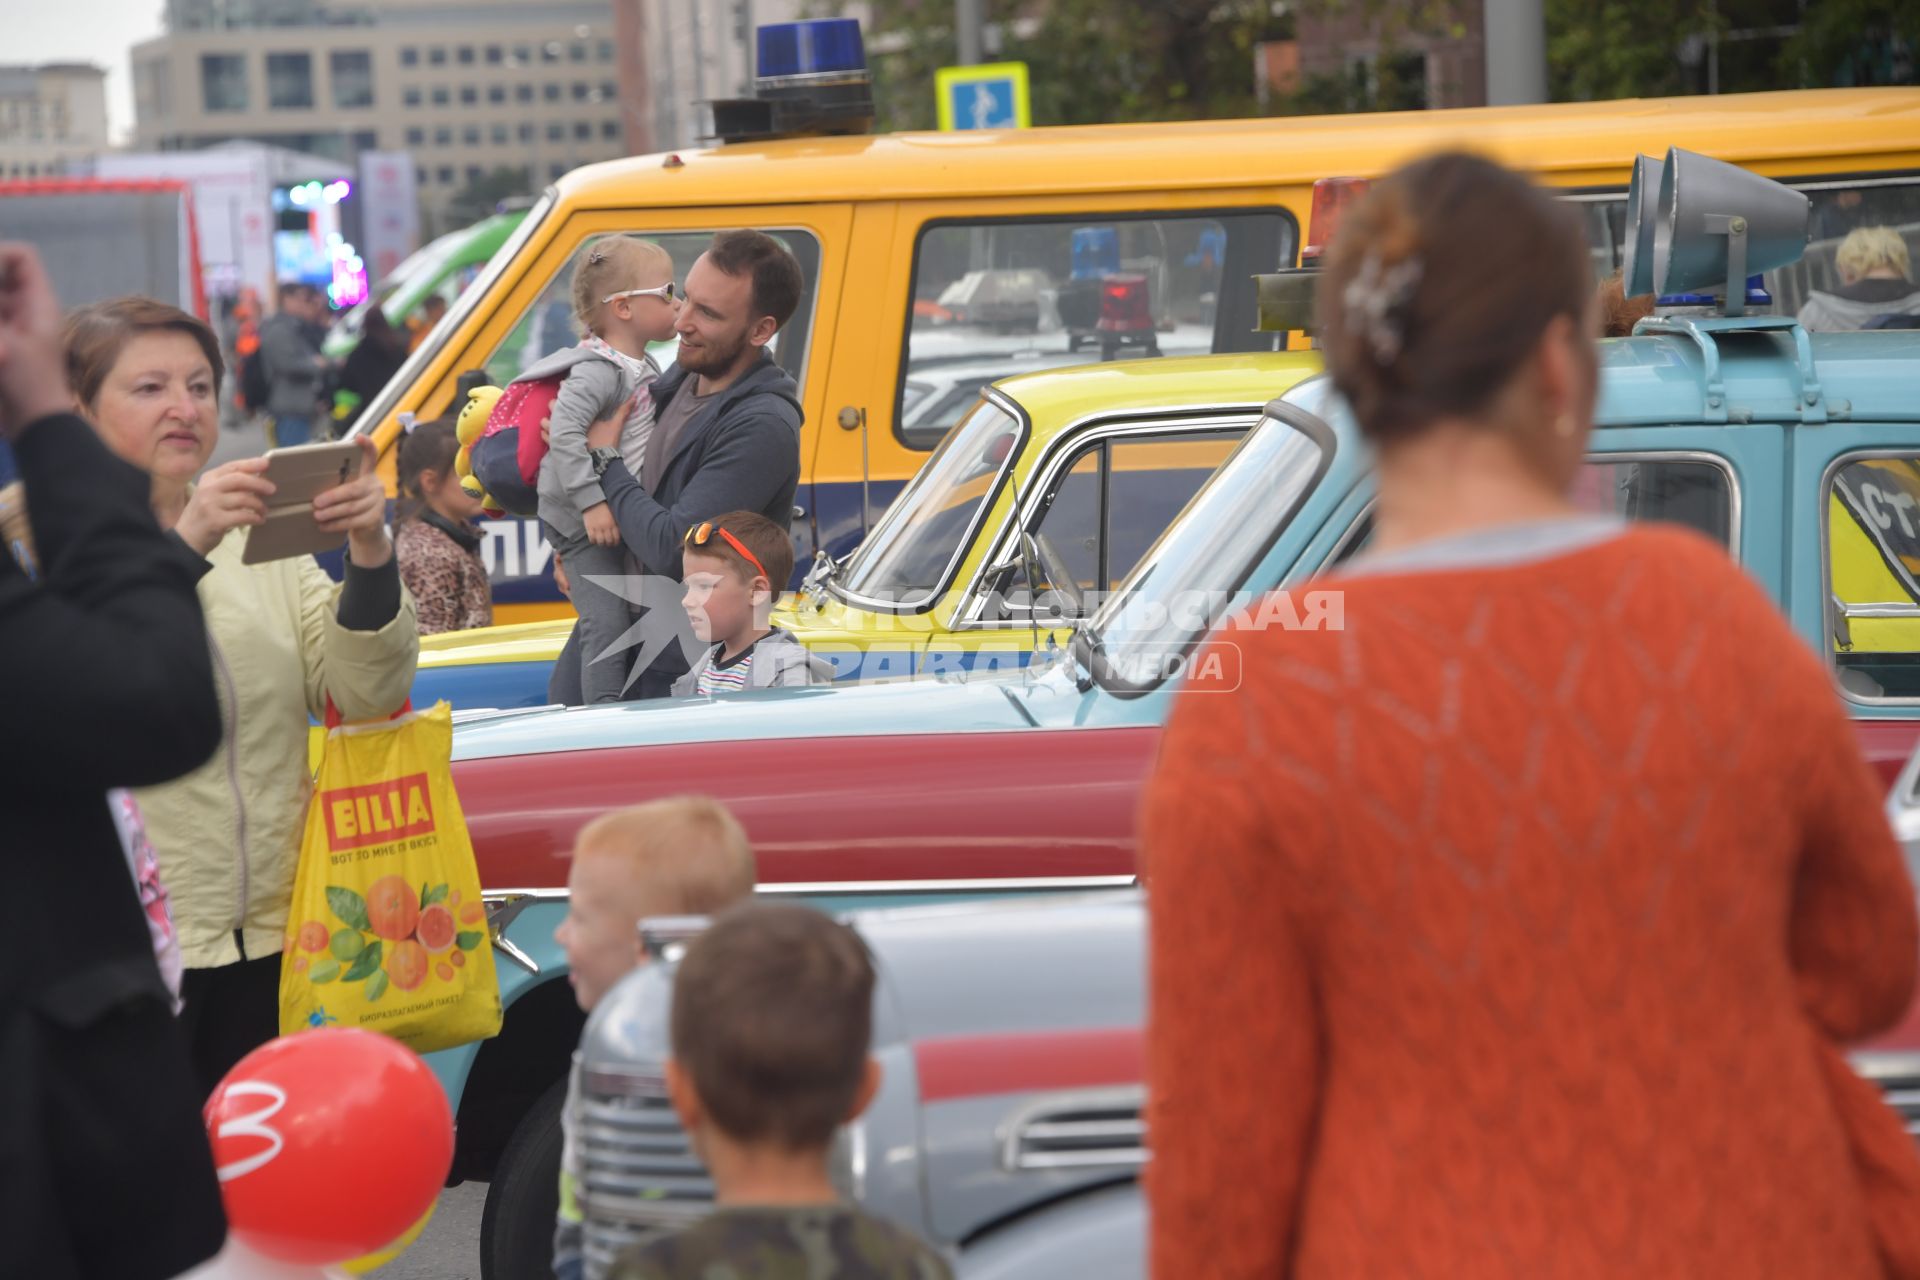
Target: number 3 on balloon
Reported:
point(253, 1125)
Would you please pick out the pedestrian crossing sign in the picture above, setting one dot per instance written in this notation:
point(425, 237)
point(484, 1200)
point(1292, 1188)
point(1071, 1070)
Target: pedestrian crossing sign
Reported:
point(993, 96)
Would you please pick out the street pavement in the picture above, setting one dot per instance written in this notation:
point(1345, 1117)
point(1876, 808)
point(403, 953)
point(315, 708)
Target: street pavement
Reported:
point(449, 1249)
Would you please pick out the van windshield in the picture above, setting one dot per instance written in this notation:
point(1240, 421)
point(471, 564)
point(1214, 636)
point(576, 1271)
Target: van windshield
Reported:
point(913, 550)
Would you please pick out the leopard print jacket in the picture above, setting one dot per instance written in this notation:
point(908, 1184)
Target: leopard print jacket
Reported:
point(449, 584)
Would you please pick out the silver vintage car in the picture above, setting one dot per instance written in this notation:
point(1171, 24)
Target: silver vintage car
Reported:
point(1008, 1127)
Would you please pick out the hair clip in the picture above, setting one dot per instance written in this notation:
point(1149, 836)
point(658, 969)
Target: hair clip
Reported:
point(596, 256)
point(1375, 300)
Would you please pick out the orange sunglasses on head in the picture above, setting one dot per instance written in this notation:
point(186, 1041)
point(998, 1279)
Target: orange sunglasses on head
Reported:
point(706, 531)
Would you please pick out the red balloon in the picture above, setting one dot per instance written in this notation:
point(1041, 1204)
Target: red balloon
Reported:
point(330, 1143)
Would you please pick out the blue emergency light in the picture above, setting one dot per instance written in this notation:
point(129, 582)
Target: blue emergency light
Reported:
point(811, 78)
point(824, 46)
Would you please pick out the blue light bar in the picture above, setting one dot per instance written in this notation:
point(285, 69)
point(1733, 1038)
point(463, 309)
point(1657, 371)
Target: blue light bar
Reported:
point(823, 46)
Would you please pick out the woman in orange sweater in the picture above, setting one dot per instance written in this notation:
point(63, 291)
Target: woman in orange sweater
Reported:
point(1510, 931)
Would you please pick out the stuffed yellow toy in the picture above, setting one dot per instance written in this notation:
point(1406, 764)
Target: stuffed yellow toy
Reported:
point(467, 427)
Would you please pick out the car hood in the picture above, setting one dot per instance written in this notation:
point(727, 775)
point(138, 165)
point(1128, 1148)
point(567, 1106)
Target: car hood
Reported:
point(981, 703)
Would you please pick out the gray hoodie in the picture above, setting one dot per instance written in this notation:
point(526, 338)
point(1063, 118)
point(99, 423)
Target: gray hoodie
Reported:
point(594, 387)
point(1857, 305)
point(779, 660)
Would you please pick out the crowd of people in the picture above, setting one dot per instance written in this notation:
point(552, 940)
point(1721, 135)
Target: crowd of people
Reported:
point(1473, 950)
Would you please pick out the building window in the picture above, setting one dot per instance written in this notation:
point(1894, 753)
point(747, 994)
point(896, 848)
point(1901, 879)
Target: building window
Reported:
point(550, 51)
point(223, 81)
point(468, 95)
point(437, 56)
point(366, 140)
point(416, 137)
point(610, 129)
point(443, 136)
point(421, 175)
point(352, 72)
point(523, 93)
point(608, 91)
point(556, 133)
point(494, 55)
point(496, 94)
point(606, 51)
point(465, 55)
point(578, 53)
point(581, 90)
point(290, 81)
point(471, 135)
point(410, 96)
point(556, 172)
point(583, 131)
point(526, 133)
point(474, 173)
point(446, 175)
point(553, 93)
point(500, 135)
point(440, 98)
point(522, 54)
point(409, 56)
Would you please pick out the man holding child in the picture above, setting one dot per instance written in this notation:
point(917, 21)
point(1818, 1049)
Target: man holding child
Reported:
point(726, 433)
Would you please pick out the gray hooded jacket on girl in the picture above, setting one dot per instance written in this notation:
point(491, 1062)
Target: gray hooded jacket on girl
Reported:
point(595, 386)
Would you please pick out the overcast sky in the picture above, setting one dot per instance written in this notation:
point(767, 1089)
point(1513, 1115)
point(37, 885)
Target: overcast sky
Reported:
point(96, 31)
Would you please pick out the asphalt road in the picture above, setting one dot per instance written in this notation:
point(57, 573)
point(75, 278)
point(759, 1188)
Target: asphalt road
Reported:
point(449, 1249)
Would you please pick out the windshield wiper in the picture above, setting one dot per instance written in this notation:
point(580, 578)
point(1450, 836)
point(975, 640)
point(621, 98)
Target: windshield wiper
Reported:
point(1085, 631)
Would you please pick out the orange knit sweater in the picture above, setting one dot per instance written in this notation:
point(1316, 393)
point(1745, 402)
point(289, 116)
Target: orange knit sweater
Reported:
point(1507, 932)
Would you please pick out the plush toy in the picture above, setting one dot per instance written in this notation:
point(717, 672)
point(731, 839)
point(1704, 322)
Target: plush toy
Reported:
point(468, 428)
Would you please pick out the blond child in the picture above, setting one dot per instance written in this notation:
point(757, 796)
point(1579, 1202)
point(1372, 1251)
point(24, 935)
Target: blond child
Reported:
point(772, 1025)
point(623, 298)
point(682, 856)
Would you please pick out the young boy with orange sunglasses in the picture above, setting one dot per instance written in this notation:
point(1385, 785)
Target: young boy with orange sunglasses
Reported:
point(729, 567)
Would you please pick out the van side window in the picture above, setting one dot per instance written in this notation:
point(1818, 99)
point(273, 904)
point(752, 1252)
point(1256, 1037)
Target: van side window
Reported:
point(1108, 507)
point(1873, 575)
point(994, 298)
point(549, 325)
point(1696, 493)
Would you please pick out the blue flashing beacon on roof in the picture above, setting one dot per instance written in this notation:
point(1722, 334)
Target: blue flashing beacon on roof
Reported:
point(821, 46)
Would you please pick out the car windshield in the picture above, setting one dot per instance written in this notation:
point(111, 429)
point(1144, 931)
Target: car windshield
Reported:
point(1197, 572)
point(906, 559)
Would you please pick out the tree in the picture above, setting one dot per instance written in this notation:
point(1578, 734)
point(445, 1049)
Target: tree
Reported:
point(477, 199)
point(1090, 61)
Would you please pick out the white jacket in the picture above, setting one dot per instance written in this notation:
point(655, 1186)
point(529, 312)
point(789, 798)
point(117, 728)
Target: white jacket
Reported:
point(228, 834)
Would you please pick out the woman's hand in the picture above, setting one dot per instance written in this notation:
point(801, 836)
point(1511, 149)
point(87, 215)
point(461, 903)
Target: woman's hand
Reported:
point(33, 377)
point(358, 509)
point(605, 434)
point(229, 496)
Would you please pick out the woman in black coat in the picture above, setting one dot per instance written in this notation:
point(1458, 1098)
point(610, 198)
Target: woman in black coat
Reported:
point(106, 682)
point(372, 364)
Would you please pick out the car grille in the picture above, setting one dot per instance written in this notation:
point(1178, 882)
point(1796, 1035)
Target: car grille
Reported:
point(638, 1175)
point(1089, 1129)
point(1898, 1075)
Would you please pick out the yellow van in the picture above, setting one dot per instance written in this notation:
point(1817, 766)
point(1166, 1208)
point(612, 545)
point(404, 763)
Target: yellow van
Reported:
point(937, 263)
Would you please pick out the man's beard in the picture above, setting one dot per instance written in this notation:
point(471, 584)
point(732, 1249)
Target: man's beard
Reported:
point(713, 358)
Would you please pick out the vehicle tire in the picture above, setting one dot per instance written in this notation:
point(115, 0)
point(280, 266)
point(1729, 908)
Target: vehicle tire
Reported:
point(516, 1227)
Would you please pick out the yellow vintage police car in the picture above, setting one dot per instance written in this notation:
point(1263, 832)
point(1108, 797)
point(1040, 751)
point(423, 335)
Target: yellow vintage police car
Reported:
point(1041, 499)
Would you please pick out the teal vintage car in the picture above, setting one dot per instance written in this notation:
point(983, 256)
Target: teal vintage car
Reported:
point(1025, 781)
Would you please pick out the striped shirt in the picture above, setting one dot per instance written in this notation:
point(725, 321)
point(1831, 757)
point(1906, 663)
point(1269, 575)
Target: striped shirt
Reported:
point(721, 676)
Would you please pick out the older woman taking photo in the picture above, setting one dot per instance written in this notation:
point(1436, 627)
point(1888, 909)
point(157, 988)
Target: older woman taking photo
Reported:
point(285, 638)
point(1512, 930)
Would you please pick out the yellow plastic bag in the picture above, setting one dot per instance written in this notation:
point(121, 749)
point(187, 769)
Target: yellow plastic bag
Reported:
point(387, 930)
